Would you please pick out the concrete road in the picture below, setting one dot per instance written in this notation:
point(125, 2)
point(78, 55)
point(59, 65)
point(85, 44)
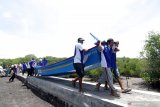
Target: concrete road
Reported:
point(133, 96)
point(14, 94)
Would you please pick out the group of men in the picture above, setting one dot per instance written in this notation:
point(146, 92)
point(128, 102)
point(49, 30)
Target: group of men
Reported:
point(108, 52)
point(31, 66)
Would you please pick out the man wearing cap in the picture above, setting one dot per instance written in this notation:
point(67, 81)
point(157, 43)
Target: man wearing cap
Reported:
point(78, 63)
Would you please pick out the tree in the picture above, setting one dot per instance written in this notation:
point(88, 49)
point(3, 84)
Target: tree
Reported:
point(130, 66)
point(52, 60)
point(152, 55)
point(29, 57)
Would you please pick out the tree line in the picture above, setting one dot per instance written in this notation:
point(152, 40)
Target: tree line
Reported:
point(20, 60)
point(147, 66)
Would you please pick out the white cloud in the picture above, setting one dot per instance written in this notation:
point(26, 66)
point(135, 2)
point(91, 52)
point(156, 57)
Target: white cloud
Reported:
point(51, 27)
point(7, 14)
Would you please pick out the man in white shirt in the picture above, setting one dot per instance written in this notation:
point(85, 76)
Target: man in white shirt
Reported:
point(78, 63)
point(103, 77)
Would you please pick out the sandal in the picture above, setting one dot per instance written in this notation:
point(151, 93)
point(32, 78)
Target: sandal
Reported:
point(126, 90)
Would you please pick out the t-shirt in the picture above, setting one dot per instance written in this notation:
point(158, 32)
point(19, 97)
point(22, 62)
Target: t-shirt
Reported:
point(110, 57)
point(113, 61)
point(24, 67)
point(113, 58)
point(78, 55)
point(103, 59)
point(108, 53)
point(44, 62)
point(14, 70)
point(28, 65)
point(33, 63)
point(106, 56)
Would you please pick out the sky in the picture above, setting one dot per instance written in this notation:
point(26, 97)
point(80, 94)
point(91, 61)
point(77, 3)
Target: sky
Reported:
point(51, 27)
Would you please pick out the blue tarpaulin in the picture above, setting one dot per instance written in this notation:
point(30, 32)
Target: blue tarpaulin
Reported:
point(91, 61)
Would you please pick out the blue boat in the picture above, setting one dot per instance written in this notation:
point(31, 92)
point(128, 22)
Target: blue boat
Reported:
point(65, 67)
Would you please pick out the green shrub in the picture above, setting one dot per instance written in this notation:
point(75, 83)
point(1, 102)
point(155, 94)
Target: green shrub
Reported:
point(95, 73)
point(152, 54)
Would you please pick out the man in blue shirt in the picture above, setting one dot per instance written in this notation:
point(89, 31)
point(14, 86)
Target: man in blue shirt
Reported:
point(114, 67)
point(24, 68)
point(44, 62)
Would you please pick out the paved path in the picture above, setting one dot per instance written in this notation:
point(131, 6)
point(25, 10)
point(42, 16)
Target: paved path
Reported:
point(137, 97)
point(14, 94)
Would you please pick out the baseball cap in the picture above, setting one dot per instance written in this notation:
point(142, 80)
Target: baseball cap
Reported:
point(81, 39)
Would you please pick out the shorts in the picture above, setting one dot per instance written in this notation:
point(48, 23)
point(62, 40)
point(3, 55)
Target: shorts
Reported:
point(116, 73)
point(79, 67)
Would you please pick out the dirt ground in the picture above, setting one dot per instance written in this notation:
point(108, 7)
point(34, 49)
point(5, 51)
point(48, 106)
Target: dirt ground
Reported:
point(15, 94)
point(134, 83)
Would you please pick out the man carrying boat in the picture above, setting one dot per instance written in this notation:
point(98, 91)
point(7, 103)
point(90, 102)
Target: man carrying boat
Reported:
point(78, 63)
point(114, 68)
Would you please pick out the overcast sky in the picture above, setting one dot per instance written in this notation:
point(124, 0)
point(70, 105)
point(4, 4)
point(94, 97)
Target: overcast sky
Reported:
point(51, 27)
